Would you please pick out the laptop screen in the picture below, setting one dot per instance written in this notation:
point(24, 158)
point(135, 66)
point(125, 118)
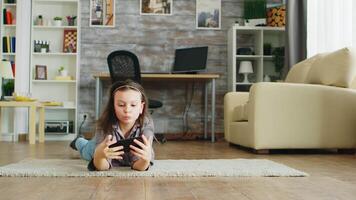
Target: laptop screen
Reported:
point(190, 60)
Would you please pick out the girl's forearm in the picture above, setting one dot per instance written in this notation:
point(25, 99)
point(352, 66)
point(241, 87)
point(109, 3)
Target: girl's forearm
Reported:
point(141, 165)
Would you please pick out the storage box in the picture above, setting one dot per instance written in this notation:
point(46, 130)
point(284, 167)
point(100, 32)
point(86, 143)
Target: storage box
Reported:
point(276, 16)
point(58, 127)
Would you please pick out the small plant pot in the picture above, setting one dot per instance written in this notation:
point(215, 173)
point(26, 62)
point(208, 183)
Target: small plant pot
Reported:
point(64, 73)
point(57, 22)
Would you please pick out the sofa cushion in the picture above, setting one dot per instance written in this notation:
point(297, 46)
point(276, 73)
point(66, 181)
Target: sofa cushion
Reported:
point(240, 113)
point(299, 72)
point(335, 69)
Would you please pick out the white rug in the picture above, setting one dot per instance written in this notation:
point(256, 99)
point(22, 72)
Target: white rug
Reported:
point(161, 168)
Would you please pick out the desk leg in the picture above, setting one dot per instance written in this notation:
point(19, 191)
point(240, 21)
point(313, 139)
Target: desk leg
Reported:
point(212, 110)
point(41, 133)
point(206, 110)
point(32, 125)
point(98, 99)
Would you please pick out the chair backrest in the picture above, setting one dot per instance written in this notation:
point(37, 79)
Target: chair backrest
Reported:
point(124, 65)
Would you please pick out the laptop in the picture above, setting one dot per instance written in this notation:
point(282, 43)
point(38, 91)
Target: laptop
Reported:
point(190, 60)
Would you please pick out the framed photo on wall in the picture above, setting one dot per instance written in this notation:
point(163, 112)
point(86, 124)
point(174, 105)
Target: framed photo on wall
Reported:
point(41, 72)
point(102, 13)
point(156, 7)
point(208, 14)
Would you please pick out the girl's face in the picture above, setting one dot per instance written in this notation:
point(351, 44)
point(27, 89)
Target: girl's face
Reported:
point(128, 106)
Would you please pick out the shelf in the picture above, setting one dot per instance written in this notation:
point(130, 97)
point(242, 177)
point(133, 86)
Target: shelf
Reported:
point(54, 27)
point(9, 4)
point(59, 137)
point(248, 57)
point(59, 108)
point(253, 28)
point(58, 1)
point(52, 89)
point(55, 54)
point(268, 57)
point(9, 25)
point(240, 83)
point(8, 54)
point(54, 81)
point(253, 38)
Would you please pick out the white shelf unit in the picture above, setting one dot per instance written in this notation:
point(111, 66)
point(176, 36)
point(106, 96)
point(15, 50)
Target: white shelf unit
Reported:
point(7, 126)
point(65, 91)
point(8, 29)
point(253, 38)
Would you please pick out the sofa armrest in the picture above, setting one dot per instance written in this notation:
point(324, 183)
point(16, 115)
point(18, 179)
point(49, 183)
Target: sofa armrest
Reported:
point(294, 112)
point(231, 100)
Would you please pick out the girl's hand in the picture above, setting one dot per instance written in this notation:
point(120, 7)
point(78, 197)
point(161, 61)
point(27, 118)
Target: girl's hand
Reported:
point(145, 152)
point(104, 151)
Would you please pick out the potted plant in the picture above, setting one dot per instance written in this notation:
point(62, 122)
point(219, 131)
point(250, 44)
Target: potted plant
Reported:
point(57, 21)
point(267, 49)
point(8, 87)
point(254, 12)
point(62, 71)
point(71, 20)
point(278, 60)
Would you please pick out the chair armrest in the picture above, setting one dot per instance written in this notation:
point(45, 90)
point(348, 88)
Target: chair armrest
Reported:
point(290, 111)
point(231, 100)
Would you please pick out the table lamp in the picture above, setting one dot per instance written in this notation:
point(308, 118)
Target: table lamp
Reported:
point(5, 73)
point(245, 68)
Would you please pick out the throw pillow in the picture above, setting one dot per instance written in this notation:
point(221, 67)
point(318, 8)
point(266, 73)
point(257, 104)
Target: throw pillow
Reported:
point(334, 69)
point(299, 72)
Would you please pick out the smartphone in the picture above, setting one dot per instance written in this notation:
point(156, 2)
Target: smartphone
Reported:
point(126, 143)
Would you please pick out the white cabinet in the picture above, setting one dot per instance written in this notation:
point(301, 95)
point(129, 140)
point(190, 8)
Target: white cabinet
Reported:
point(247, 44)
point(55, 46)
point(8, 30)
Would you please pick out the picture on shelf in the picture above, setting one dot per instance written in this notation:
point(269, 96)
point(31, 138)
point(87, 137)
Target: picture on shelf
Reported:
point(156, 7)
point(208, 14)
point(70, 41)
point(102, 13)
point(41, 72)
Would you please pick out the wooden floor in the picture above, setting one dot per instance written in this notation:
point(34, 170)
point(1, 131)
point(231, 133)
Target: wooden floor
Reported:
point(332, 176)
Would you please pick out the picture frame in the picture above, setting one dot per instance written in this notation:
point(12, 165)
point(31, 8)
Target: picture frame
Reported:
point(70, 41)
point(156, 7)
point(41, 72)
point(102, 13)
point(208, 14)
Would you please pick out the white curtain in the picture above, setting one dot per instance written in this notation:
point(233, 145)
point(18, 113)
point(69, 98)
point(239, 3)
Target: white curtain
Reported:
point(330, 25)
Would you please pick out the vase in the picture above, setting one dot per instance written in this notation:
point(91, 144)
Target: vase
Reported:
point(58, 22)
point(64, 73)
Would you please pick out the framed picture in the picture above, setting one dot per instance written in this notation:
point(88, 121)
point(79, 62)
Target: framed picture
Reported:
point(208, 14)
point(156, 7)
point(102, 13)
point(70, 41)
point(41, 72)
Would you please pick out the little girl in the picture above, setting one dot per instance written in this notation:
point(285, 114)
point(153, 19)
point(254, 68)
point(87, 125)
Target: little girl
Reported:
point(125, 116)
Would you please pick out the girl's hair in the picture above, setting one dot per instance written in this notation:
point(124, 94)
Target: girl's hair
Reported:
point(108, 117)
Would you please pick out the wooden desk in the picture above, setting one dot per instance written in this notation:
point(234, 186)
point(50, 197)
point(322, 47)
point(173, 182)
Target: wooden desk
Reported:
point(32, 118)
point(206, 78)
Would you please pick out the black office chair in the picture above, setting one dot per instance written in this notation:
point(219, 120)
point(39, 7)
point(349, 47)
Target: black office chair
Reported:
point(124, 65)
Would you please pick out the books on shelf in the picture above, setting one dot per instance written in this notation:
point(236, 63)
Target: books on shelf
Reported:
point(8, 44)
point(8, 19)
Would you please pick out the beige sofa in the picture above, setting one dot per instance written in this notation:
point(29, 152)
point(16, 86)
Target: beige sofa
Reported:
point(314, 108)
